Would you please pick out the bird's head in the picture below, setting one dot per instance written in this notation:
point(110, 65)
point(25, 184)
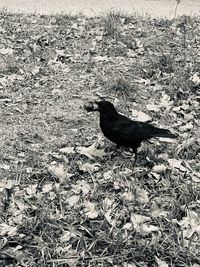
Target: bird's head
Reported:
point(104, 106)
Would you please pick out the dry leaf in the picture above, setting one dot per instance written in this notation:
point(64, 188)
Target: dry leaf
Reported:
point(190, 224)
point(73, 200)
point(108, 175)
point(7, 184)
point(148, 228)
point(165, 101)
point(81, 186)
point(159, 168)
point(6, 229)
point(47, 188)
point(60, 172)
point(153, 107)
point(6, 51)
point(108, 217)
point(161, 263)
point(66, 236)
point(36, 70)
point(100, 58)
point(67, 150)
point(138, 219)
point(87, 167)
point(90, 210)
point(175, 163)
point(129, 196)
point(128, 226)
point(195, 177)
point(158, 212)
point(140, 116)
point(4, 167)
point(107, 203)
point(195, 79)
point(186, 127)
point(91, 151)
point(31, 189)
point(140, 224)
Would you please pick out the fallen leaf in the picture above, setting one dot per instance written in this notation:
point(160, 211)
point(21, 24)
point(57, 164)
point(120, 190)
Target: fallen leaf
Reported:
point(6, 51)
point(137, 219)
point(190, 224)
point(67, 150)
point(141, 196)
point(175, 163)
point(186, 127)
point(128, 226)
point(6, 229)
point(158, 212)
point(161, 263)
point(52, 195)
point(195, 177)
point(165, 101)
point(7, 184)
point(145, 81)
point(47, 188)
point(73, 200)
point(101, 58)
point(153, 107)
point(128, 196)
point(81, 187)
point(108, 217)
point(148, 228)
point(90, 210)
point(2, 30)
point(155, 175)
point(132, 54)
point(140, 116)
point(195, 79)
point(88, 167)
point(108, 175)
point(5, 167)
point(91, 151)
point(31, 189)
point(66, 236)
point(60, 172)
point(159, 168)
point(107, 203)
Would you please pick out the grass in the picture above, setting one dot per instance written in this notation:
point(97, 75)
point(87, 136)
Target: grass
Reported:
point(65, 209)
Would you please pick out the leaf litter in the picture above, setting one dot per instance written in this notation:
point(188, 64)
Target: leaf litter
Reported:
point(63, 201)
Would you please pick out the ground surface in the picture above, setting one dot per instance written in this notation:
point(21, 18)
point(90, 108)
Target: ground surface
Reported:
point(63, 201)
point(158, 8)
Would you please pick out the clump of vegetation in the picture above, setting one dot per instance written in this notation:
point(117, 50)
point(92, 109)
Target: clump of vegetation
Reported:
point(112, 24)
point(122, 86)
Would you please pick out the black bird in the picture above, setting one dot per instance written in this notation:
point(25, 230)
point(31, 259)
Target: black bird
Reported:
point(123, 131)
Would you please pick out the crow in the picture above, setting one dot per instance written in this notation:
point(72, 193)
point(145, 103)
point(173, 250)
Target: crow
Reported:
point(123, 131)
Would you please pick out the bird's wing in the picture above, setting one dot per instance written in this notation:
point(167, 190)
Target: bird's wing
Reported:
point(128, 129)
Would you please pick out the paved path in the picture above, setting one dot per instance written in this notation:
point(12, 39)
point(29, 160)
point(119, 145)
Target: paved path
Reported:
point(164, 8)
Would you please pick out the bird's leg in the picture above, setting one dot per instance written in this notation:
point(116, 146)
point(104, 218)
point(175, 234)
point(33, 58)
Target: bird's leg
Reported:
point(114, 151)
point(136, 156)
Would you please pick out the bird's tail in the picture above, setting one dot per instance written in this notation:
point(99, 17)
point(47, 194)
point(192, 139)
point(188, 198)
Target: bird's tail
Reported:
point(163, 133)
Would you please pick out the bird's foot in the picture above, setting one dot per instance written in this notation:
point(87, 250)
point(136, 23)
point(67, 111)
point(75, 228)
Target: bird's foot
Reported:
point(114, 153)
point(146, 162)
